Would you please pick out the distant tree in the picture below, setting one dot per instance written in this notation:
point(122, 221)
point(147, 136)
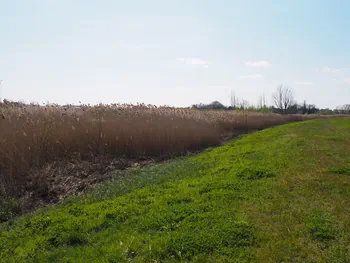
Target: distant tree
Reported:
point(283, 99)
point(293, 109)
point(307, 108)
point(304, 108)
point(312, 109)
point(262, 103)
point(215, 105)
point(244, 104)
point(328, 111)
point(234, 100)
point(265, 109)
point(346, 108)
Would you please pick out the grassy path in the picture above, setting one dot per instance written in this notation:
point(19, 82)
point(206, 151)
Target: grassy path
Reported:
point(278, 195)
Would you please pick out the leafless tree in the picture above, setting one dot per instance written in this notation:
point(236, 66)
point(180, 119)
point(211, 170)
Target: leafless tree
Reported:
point(262, 101)
point(234, 100)
point(244, 104)
point(346, 108)
point(283, 98)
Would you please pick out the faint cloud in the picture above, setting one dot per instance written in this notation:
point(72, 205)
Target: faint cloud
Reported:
point(258, 63)
point(194, 61)
point(304, 83)
point(251, 76)
point(332, 70)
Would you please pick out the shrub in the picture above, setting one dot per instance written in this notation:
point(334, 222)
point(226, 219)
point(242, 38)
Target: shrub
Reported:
point(9, 207)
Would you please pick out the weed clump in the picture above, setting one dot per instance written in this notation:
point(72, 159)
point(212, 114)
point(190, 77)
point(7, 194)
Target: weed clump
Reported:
point(254, 173)
point(340, 170)
point(9, 207)
point(322, 226)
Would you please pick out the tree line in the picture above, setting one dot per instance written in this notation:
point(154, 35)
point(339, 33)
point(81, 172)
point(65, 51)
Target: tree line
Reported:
point(283, 103)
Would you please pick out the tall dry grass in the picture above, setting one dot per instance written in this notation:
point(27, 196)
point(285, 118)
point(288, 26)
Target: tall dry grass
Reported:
point(32, 136)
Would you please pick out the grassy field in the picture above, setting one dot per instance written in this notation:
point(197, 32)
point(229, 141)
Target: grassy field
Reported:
point(278, 195)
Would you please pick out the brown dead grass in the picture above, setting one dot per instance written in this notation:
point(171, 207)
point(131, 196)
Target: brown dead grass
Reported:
point(34, 137)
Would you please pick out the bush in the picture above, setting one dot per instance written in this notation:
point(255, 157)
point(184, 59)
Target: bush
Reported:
point(9, 207)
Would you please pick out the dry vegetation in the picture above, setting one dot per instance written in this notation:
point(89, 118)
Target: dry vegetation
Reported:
point(50, 152)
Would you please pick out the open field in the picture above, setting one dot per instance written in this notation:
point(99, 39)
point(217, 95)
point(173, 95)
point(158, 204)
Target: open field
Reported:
point(277, 195)
point(48, 153)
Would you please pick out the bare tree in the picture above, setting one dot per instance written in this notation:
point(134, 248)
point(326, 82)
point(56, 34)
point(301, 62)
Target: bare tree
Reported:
point(346, 108)
point(244, 104)
point(283, 98)
point(262, 101)
point(234, 100)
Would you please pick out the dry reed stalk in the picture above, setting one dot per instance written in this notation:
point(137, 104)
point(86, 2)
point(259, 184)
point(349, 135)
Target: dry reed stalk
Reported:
point(33, 136)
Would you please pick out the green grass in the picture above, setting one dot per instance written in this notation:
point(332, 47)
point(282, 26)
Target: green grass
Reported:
point(340, 170)
point(278, 195)
point(9, 207)
point(322, 226)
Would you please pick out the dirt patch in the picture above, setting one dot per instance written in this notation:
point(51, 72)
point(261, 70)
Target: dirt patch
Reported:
point(60, 179)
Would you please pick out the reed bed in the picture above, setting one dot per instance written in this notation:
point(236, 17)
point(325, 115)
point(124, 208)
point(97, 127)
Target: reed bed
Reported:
point(34, 136)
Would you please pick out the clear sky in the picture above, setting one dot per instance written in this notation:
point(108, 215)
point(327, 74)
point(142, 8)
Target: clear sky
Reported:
point(174, 52)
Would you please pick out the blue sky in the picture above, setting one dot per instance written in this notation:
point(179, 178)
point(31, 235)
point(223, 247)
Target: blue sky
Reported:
point(174, 52)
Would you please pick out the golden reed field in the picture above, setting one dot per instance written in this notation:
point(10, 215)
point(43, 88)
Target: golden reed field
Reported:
point(48, 153)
